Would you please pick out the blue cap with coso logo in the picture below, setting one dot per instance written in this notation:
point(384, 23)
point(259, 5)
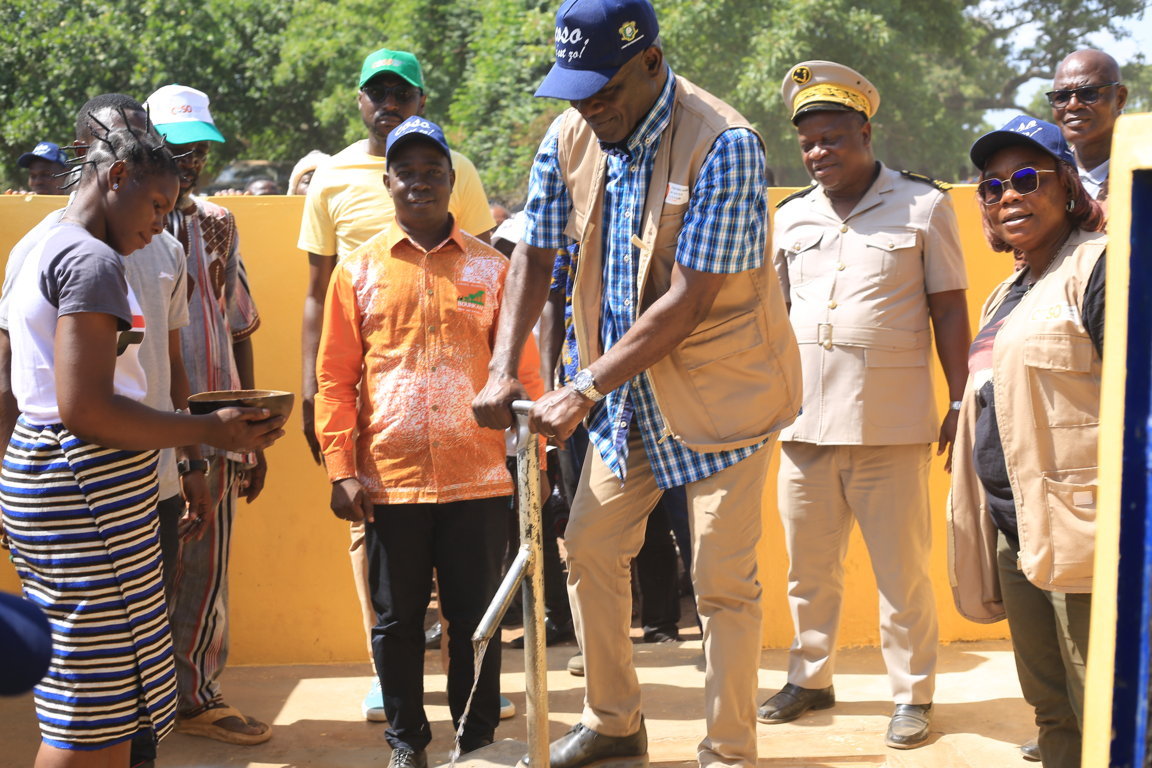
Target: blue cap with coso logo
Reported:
point(594, 39)
point(413, 127)
point(1022, 129)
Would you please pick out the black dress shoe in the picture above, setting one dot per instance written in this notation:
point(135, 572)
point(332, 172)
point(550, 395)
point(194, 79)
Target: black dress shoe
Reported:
point(1030, 751)
point(793, 701)
point(582, 747)
point(909, 726)
point(402, 757)
point(553, 633)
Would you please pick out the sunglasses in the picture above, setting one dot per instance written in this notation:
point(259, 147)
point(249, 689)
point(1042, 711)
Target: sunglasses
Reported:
point(1085, 94)
point(401, 94)
point(1025, 181)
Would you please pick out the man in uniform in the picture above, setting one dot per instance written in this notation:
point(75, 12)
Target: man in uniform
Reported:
point(1086, 99)
point(688, 366)
point(868, 257)
point(347, 205)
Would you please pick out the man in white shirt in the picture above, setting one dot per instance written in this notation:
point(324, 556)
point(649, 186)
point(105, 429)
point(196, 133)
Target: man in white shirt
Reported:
point(1087, 97)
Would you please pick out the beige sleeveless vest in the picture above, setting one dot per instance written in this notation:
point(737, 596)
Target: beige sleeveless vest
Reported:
point(736, 378)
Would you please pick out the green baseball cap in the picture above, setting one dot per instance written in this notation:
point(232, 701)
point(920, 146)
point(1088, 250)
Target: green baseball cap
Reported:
point(400, 63)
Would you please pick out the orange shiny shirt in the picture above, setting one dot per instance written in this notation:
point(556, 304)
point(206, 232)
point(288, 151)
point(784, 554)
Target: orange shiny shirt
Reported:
point(405, 348)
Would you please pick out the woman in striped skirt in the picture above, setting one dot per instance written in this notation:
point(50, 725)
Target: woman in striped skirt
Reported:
point(78, 486)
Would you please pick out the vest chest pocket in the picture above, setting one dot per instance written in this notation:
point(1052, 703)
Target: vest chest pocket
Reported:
point(887, 256)
point(1061, 385)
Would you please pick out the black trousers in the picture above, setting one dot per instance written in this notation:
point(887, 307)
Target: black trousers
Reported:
point(463, 542)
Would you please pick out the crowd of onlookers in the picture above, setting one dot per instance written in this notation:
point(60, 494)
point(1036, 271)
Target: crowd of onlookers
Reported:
point(670, 329)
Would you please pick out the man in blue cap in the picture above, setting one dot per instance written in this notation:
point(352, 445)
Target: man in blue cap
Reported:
point(407, 335)
point(688, 366)
point(44, 162)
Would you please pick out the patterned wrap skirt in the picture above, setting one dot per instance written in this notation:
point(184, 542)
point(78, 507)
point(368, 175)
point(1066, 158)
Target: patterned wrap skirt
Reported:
point(85, 541)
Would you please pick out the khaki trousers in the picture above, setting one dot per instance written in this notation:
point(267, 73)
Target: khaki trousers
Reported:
point(358, 554)
point(605, 532)
point(824, 489)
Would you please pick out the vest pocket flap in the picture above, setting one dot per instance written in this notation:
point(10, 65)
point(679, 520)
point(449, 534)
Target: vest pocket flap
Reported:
point(894, 358)
point(1071, 511)
point(892, 241)
point(703, 347)
point(1059, 352)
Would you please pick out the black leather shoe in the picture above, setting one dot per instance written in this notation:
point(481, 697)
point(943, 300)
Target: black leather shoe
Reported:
point(1030, 751)
point(909, 726)
point(582, 747)
point(402, 757)
point(793, 701)
point(553, 633)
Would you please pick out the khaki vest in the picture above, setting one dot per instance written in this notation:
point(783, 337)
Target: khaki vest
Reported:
point(736, 378)
point(1046, 380)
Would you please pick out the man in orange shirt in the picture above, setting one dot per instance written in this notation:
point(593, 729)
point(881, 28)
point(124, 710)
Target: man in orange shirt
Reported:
point(409, 321)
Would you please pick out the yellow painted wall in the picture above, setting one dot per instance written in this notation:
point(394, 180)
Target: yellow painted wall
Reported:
point(291, 588)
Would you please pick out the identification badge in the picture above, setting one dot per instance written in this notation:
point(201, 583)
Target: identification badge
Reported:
point(677, 194)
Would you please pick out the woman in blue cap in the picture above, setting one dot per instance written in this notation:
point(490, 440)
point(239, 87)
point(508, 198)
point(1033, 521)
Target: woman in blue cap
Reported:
point(1023, 502)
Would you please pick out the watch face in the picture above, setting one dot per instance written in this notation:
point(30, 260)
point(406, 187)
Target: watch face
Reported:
point(582, 380)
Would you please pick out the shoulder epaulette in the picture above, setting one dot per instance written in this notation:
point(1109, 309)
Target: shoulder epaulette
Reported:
point(795, 195)
point(943, 186)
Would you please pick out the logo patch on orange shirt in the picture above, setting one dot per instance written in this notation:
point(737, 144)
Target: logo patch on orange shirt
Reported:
point(471, 298)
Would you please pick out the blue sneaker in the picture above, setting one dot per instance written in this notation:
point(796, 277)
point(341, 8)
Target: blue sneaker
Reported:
point(373, 706)
point(507, 708)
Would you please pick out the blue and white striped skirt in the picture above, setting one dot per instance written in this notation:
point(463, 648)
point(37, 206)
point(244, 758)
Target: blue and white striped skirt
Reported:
point(84, 533)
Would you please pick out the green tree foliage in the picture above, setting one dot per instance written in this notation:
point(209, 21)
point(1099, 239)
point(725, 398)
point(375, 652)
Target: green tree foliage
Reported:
point(282, 73)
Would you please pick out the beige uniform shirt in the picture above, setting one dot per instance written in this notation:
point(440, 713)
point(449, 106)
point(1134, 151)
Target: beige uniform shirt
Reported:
point(858, 289)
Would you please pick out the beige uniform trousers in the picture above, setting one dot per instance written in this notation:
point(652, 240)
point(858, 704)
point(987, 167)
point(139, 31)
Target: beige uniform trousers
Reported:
point(358, 554)
point(606, 530)
point(884, 488)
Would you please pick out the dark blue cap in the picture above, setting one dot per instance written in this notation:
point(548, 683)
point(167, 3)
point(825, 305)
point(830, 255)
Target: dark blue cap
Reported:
point(594, 38)
point(45, 150)
point(1022, 129)
point(25, 645)
point(417, 126)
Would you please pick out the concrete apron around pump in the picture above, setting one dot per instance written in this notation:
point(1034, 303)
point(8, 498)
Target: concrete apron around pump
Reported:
point(526, 572)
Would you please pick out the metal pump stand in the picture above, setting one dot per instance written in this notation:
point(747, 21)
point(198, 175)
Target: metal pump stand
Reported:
point(527, 572)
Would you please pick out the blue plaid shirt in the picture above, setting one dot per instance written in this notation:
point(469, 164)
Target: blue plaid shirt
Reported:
point(724, 231)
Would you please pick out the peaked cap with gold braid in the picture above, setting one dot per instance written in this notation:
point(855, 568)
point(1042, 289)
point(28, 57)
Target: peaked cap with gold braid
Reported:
point(825, 85)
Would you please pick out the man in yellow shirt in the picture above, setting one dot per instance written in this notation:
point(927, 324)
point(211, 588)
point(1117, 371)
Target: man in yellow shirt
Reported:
point(347, 205)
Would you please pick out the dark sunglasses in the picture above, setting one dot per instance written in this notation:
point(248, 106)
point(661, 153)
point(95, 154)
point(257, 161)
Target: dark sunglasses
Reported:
point(1025, 181)
point(401, 94)
point(1085, 94)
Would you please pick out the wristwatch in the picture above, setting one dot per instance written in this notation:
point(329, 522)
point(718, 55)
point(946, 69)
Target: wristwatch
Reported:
point(954, 405)
point(184, 466)
point(585, 383)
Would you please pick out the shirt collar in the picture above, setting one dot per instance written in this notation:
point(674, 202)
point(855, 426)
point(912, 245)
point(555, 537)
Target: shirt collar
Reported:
point(650, 127)
point(397, 235)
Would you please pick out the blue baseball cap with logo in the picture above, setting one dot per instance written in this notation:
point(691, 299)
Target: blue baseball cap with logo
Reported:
point(45, 150)
point(1022, 129)
point(594, 39)
point(416, 127)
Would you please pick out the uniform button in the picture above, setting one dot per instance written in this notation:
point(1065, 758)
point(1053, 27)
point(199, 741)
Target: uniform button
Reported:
point(797, 246)
point(627, 214)
point(627, 302)
point(844, 228)
point(826, 344)
point(840, 267)
point(831, 305)
point(891, 245)
point(434, 368)
point(435, 407)
point(431, 329)
point(431, 292)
